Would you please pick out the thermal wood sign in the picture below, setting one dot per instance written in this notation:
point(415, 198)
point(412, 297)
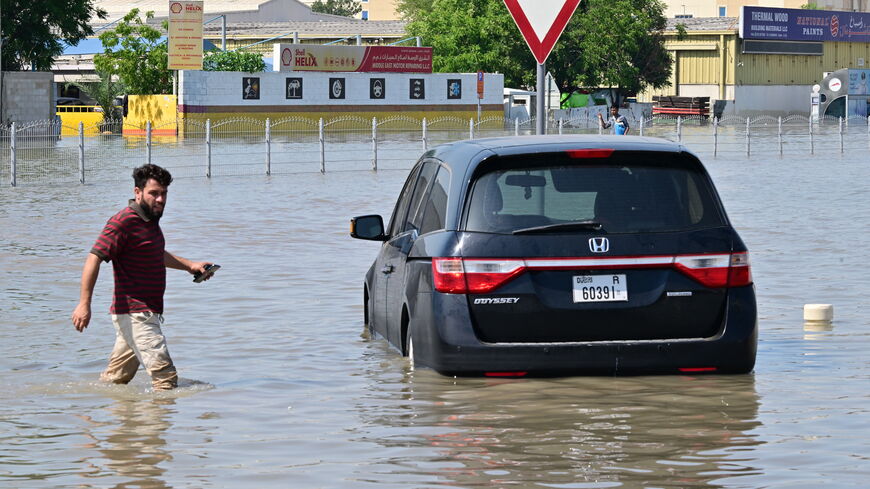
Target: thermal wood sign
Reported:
point(541, 22)
point(185, 35)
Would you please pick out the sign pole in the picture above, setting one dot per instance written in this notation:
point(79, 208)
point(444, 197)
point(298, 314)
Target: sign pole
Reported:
point(540, 115)
point(541, 24)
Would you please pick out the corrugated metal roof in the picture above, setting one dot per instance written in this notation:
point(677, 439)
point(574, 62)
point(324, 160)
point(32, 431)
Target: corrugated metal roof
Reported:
point(705, 24)
point(119, 8)
point(345, 28)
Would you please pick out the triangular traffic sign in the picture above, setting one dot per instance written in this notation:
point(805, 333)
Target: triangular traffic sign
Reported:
point(541, 22)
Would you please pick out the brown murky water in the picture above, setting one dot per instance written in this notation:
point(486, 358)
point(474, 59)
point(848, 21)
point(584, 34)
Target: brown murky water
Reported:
point(281, 388)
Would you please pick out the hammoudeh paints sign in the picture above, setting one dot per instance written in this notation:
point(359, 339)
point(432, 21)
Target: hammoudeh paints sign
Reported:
point(782, 24)
point(377, 59)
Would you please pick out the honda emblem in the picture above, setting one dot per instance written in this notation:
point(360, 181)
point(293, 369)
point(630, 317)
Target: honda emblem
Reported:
point(599, 245)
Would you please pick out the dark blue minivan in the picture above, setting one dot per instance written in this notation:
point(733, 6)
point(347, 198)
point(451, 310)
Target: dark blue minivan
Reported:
point(559, 255)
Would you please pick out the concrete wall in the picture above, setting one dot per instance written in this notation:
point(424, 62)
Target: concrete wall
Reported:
point(214, 95)
point(27, 96)
point(159, 109)
point(772, 100)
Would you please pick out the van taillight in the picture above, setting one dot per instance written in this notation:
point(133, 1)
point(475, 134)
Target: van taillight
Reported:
point(725, 270)
point(590, 153)
point(472, 275)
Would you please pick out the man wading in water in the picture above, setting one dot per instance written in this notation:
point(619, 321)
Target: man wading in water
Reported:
point(133, 242)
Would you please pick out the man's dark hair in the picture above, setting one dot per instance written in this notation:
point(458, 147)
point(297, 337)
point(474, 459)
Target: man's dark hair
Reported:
point(146, 172)
point(614, 106)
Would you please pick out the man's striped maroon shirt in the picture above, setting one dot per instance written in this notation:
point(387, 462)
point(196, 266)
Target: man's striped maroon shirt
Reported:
point(134, 244)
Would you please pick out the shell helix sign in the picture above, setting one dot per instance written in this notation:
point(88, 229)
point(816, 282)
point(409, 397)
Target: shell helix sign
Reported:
point(383, 59)
point(185, 35)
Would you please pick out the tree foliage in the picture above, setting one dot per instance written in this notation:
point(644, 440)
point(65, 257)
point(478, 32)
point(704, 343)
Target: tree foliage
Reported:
point(607, 43)
point(136, 52)
point(233, 61)
point(33, 31)
point(104, 92)
point(345, 8)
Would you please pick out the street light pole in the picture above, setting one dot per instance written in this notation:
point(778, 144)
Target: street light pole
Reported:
point(540, 114)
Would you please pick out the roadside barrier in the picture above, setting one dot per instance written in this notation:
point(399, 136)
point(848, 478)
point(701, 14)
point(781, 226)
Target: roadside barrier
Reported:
point(41, 152)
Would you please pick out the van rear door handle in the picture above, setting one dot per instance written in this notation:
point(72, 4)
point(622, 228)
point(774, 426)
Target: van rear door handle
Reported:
point(387, 269)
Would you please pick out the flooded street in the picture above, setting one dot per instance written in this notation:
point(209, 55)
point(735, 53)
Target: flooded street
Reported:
point(282, 388)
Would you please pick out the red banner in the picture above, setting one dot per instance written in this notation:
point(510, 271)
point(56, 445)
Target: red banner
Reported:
point(382, 59)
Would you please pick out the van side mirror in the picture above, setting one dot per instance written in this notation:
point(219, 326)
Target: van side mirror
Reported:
point(369, 227)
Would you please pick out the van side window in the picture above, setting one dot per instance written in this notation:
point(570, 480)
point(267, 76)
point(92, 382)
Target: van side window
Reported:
point(436, 204)
point(398, 220)
point(426, 175)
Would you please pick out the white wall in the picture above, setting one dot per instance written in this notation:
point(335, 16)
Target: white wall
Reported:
point(27, 96)
point(215, 88)
point(772, 99)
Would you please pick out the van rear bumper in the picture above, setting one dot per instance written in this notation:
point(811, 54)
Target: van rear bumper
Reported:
point(444, 340)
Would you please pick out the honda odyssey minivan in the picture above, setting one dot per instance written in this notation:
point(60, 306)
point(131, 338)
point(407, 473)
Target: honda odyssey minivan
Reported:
point(560, 255)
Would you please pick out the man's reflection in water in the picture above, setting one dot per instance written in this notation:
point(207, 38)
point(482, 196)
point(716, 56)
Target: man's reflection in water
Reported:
point(132, 442)
point(669, 431)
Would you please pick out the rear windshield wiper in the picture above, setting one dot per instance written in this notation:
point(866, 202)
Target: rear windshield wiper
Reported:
point(564, 226)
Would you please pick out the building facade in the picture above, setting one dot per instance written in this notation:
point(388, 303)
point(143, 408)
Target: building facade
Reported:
point(712, 61)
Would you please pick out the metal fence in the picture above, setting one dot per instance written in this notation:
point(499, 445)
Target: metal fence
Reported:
point(49, 152)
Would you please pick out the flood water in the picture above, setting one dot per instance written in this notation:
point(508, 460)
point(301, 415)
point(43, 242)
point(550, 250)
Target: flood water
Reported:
point(282, 388)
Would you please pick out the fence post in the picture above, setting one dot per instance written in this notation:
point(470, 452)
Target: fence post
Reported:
point(748, 151)
point(779, 133)
point(208, 148)
point(425, 136)
point(148, 142)
point(471, 128)
point(715, 136)
point(812, 148)
point(641, 125)
point(680, 128)
point(600, 129)
point(517, 126)
point(841, 134)
point(12, 131)
point(322, 148)
point(268, 146)
point(81, 152)
point(375, 143)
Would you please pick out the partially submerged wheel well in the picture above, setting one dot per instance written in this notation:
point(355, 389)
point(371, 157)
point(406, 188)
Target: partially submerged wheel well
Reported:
point(366, 319)
point(405, 322)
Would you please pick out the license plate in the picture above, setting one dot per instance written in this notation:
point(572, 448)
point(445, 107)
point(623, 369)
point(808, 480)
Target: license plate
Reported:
point(600, 288)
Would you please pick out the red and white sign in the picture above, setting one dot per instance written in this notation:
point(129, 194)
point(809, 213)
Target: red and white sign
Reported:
point(541, 22)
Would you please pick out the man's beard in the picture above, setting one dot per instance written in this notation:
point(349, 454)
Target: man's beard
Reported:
point(149, 212)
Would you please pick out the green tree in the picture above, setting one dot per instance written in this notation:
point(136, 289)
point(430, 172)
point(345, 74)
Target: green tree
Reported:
point(471, 35)
point(233, 61)
point(345, 8)
point(104, 92)
point(135, 51)
point(607, 43)
point(617, 44)
point(33, 31)
point(810, 6)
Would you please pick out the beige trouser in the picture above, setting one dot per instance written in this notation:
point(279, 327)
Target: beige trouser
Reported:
point(139, 340)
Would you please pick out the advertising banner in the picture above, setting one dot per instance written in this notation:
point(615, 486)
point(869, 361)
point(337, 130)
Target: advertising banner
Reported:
point(185, 35)
point(859, 82)
point(782, 24)
point(383, 59)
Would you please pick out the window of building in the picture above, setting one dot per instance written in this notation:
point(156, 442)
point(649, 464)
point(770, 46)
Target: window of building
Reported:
point(683, 16)
point(365, 15)
point(723, 11)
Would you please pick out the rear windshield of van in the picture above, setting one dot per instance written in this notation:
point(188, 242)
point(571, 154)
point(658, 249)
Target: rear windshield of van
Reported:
point(625, 193)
